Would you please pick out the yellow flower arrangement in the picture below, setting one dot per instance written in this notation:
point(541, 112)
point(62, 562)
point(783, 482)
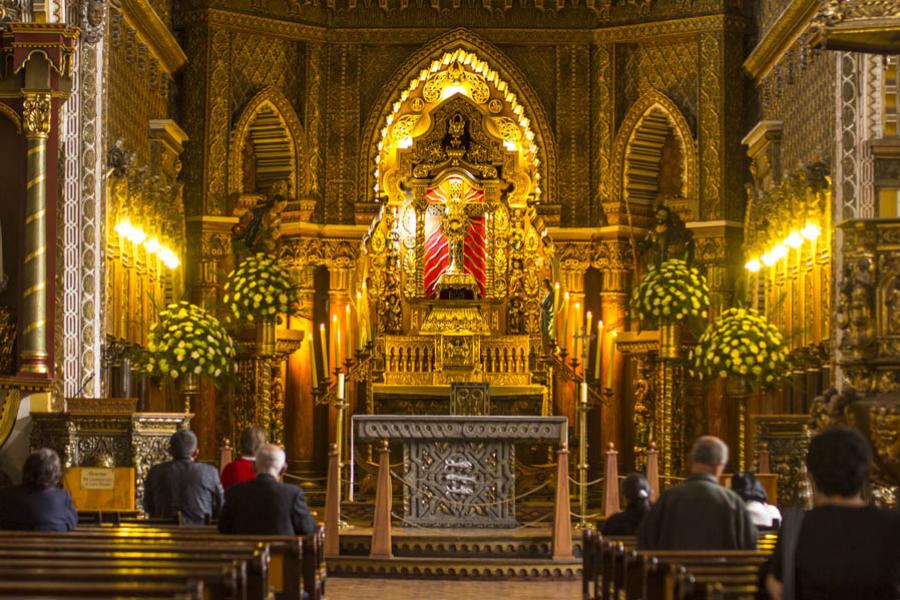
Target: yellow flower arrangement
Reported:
point(260, 288)
point(741, 343)
point(672, 293)
point(188, 340)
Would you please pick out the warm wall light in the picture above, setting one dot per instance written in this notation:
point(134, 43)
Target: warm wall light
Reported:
point(406, 142)
point(794, 239)
point(768, 259)
point(779, 251)
point(136, 235)
point(753, 265)
point(811, 231)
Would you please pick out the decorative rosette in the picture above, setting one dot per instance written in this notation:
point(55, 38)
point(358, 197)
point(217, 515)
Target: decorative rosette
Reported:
point(671, 293)
point(188, 340)
point(741, 343)
point(260, 288)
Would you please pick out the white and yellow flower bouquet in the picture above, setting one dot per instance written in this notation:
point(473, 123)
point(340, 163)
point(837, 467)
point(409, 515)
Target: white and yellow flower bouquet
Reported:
point(188, 340)
point(741, 343)
point(671, 293)
point(260, 288)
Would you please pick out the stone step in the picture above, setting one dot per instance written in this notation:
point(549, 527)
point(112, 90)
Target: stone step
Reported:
point(526, 543)
point(453, 568)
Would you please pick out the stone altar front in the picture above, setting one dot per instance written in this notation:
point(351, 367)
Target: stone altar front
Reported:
point(459, 471)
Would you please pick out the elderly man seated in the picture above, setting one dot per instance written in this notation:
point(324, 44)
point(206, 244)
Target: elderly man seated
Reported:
point(265, 505)
point(182, 485)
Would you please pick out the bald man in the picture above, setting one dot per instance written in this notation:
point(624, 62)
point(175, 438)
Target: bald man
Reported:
point(699, 514)
point(264, 505)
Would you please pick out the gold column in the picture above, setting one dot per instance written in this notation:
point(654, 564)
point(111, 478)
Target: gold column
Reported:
point(33, 352)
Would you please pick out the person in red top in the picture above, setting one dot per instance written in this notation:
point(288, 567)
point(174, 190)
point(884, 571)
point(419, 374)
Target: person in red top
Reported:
point(242, 469)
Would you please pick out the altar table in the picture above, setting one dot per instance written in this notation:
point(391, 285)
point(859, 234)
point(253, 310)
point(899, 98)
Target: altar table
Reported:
point(459, 471)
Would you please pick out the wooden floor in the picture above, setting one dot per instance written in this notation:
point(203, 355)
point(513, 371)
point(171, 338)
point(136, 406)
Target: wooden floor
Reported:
point(341, 588)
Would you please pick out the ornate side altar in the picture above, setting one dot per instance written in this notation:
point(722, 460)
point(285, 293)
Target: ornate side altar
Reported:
point(459, 471)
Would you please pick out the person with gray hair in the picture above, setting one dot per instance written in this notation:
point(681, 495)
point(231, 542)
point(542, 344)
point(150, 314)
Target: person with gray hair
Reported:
point(265, 505)
point(183, 487)
point(699, 514)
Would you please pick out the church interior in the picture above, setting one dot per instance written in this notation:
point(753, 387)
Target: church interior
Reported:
point(469, 262)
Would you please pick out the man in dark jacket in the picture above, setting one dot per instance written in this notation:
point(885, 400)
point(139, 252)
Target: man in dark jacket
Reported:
point(699, 514)
point(265, 506)
point(182, 485)
point(39, 504)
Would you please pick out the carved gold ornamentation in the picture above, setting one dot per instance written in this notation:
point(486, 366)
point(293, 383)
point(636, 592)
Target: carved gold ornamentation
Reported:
point(36, 114)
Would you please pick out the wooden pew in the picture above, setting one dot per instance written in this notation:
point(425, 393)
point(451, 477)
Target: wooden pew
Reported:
point(294, 566)
point(254, 556)
point(191, 590)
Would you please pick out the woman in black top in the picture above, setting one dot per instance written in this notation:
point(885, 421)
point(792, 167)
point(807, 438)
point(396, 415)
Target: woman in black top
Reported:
point(636, 491)
point(842, 548)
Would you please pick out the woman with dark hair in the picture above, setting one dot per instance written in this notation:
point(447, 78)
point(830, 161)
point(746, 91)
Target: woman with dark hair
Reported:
point(636, 491)
point(843, 548)
point(38, 504)
point(751, 491)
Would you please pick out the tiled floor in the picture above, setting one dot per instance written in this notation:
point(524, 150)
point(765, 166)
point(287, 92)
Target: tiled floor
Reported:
point(341, 588)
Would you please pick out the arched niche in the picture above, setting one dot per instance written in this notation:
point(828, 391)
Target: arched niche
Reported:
point(656, 157)
point(267, 146)
point(501, 74)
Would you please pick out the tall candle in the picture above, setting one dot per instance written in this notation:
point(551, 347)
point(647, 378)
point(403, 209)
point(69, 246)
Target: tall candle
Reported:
point(312, 363)
point(584, 392)
point(555, 298)
point(576, 330)
point(598, 357)
point(360, 329)
point(348, 329)
point(324, 343)
point(340, 386)
point(612, 359)
point(564, 323)
point(588, 324)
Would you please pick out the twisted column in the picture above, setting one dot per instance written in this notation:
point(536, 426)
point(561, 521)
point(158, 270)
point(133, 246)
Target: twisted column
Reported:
point(33, 356)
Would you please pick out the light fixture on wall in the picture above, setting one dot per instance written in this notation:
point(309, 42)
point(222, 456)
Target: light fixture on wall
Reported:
point(137, 236)
point(794, 240)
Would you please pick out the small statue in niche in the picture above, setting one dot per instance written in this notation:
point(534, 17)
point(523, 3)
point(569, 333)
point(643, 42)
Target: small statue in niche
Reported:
point(515, 316)
point(547, 316)
point(259, 229)
point(668, 239)
point(854, 310)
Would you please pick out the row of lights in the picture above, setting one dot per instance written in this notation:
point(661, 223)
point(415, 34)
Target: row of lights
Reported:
point(152, 245)
point(795, 239)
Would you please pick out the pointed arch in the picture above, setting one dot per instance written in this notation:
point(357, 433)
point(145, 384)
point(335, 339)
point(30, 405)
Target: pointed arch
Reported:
point(648, 126)
point(271, 124)
point(515, 81)
point(12, 115)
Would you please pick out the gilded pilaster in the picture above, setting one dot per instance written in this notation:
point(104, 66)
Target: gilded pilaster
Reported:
point(711, 127)
point(33, 351)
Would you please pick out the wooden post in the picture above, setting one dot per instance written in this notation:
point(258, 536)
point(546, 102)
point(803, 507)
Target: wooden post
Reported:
point(381, 521)
point(226, 454)
point(562, 523)
point(611, 496)
point(332, 505)
point(653, 471)
point(762, 460)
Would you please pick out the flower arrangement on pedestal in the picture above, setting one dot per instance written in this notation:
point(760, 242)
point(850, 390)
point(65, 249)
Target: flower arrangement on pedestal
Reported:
point(188, 342)
point(671, 293)
point(260, 289)
point(741, 343)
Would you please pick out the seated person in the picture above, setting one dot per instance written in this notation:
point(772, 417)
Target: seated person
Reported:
point(751, 491)
point(265, 506)
point(241, 470)
point(39, 504)
point(183, 486)
point(699, 514)
point(636, 491)
point(842, 548)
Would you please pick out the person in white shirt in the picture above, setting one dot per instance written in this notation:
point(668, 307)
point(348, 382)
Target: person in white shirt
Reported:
point(748, 487)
